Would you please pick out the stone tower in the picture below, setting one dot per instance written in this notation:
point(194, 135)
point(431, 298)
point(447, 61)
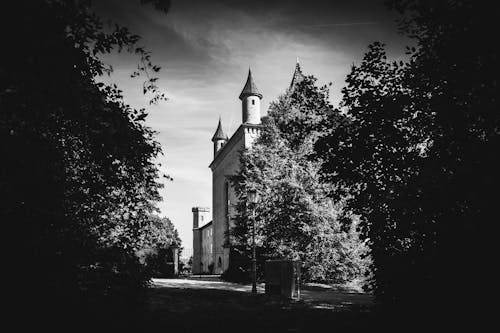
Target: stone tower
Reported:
point(219, 139)
point(250, 101)
point(200, 217)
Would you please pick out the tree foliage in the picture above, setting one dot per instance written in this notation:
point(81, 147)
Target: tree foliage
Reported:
point(161, 234)
point(78, 183)
point(419, 150)
point(295, 219)
point(158, 240)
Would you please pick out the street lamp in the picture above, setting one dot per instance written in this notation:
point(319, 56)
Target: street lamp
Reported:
point(253, 198)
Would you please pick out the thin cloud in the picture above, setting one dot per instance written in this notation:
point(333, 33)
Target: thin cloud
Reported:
point(327, 25)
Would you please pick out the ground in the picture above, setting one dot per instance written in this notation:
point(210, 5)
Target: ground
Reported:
point(208, 304)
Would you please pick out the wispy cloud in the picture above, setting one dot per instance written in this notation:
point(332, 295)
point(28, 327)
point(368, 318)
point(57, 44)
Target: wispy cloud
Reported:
point(327, 25)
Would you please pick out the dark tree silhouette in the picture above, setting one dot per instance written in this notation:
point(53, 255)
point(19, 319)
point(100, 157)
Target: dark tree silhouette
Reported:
point(419, 154)
point(77, 180)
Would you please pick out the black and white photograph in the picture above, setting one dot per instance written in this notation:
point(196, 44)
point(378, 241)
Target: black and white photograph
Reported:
point(249, 165)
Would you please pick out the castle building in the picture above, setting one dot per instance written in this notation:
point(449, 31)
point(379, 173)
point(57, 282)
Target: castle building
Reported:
point(225, 163)
point(202, 241)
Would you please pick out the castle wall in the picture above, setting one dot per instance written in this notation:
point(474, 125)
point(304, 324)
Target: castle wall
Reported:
point(224, 198)
point(207, 246)
point(251, 133)
point(197, 252)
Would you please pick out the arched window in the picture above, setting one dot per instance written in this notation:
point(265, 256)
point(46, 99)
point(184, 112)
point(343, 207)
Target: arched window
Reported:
point(219, 263)
point(253, 101)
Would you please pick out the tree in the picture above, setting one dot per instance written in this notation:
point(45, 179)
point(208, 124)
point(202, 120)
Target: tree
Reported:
point(295, 218)
point(161, 234)
point(417, 154)
point(77, 182)
point(157, 242)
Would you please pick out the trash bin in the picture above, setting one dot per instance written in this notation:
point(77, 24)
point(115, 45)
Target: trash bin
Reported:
point(283, 278)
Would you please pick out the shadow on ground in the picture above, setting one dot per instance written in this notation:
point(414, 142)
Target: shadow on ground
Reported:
point(190, 305)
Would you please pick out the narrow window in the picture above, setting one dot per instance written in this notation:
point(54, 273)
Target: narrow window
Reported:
point(226, 194)
point(253, 101)
point(228, 203)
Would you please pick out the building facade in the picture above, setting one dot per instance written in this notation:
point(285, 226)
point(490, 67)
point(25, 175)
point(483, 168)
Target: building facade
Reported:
point(202, 241)
point(225, 164)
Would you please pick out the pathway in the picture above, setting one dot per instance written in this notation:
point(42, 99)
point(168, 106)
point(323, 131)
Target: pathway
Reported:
point(315, 295)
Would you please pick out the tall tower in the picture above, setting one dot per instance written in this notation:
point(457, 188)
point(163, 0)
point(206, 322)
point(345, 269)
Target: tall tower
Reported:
point(200, 217)
point(250, 101)
point(219, 139)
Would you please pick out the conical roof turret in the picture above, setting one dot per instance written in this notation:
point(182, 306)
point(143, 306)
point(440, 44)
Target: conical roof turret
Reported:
point(250, 88)
point(219, 133)
point(297, 75)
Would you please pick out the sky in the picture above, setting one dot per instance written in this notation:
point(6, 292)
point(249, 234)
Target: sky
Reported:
point(205, 49)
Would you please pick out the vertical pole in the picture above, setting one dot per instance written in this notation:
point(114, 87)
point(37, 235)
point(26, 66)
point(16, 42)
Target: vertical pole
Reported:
point(254, 258)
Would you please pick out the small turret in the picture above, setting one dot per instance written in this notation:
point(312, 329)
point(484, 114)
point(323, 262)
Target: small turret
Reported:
point(219, 139)
point(250, 101)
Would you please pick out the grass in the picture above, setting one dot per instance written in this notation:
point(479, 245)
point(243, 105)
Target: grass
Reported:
point(202, 310)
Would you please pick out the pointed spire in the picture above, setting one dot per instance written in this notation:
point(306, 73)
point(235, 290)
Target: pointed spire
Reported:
point(297, 75)
point(250, 89)
point(219, 133)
